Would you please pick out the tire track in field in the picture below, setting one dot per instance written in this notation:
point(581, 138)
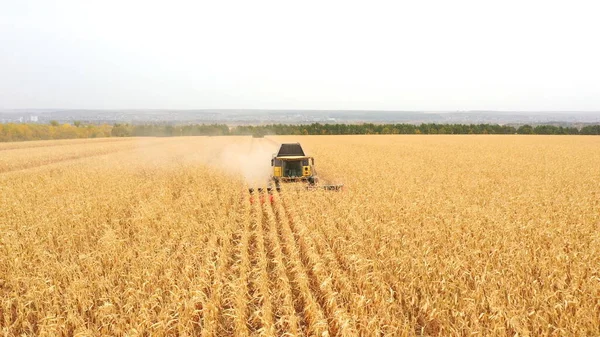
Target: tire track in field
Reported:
point(74, 157)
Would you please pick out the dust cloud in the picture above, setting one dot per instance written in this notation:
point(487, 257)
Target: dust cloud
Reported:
point(251, 160)
point(244, 157)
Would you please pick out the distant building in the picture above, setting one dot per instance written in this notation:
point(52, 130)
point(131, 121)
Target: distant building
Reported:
point(33, 118)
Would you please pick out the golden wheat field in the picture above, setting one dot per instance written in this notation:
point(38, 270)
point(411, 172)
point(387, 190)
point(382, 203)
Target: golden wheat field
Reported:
point(432, 236)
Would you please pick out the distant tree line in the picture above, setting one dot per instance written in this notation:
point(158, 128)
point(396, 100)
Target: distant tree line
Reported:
point(13, 132)
point(410, 129)
point(162, 130)
point(54, 130)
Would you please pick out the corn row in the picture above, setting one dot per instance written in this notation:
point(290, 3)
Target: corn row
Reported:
point(220, 297)
point(312, 311)
point(242, 264)
point(207, 309)
point(287, 322)
point(370, 296)
point(340, 321)
point(263, 315)
point(347, 290)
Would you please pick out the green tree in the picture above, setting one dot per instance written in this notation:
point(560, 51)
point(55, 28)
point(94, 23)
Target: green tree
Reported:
point(525, 130)
point(590, 130)
point(121, 130)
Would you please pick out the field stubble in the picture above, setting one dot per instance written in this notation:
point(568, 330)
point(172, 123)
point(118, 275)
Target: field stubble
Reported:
point(433, 235)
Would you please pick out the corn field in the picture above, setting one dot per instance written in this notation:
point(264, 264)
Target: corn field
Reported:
point(431, 236)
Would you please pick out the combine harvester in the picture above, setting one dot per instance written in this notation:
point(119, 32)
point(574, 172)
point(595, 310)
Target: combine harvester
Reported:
point(291, 165)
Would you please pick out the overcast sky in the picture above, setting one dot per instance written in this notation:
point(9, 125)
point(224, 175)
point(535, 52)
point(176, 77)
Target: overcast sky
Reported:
point(396, 55)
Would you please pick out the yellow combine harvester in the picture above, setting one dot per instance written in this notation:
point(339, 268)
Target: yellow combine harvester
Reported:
point(291, 164)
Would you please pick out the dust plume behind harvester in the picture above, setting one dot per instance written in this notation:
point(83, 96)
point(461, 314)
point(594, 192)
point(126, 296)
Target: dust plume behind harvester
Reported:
point(291, 165)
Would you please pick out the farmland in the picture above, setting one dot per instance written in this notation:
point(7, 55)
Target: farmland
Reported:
point(432, 236)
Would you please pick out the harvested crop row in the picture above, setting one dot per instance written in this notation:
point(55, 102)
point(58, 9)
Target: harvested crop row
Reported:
point(57, 143)
point(19, 159)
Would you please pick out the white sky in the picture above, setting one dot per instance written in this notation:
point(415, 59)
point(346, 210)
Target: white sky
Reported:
point(396, 55)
